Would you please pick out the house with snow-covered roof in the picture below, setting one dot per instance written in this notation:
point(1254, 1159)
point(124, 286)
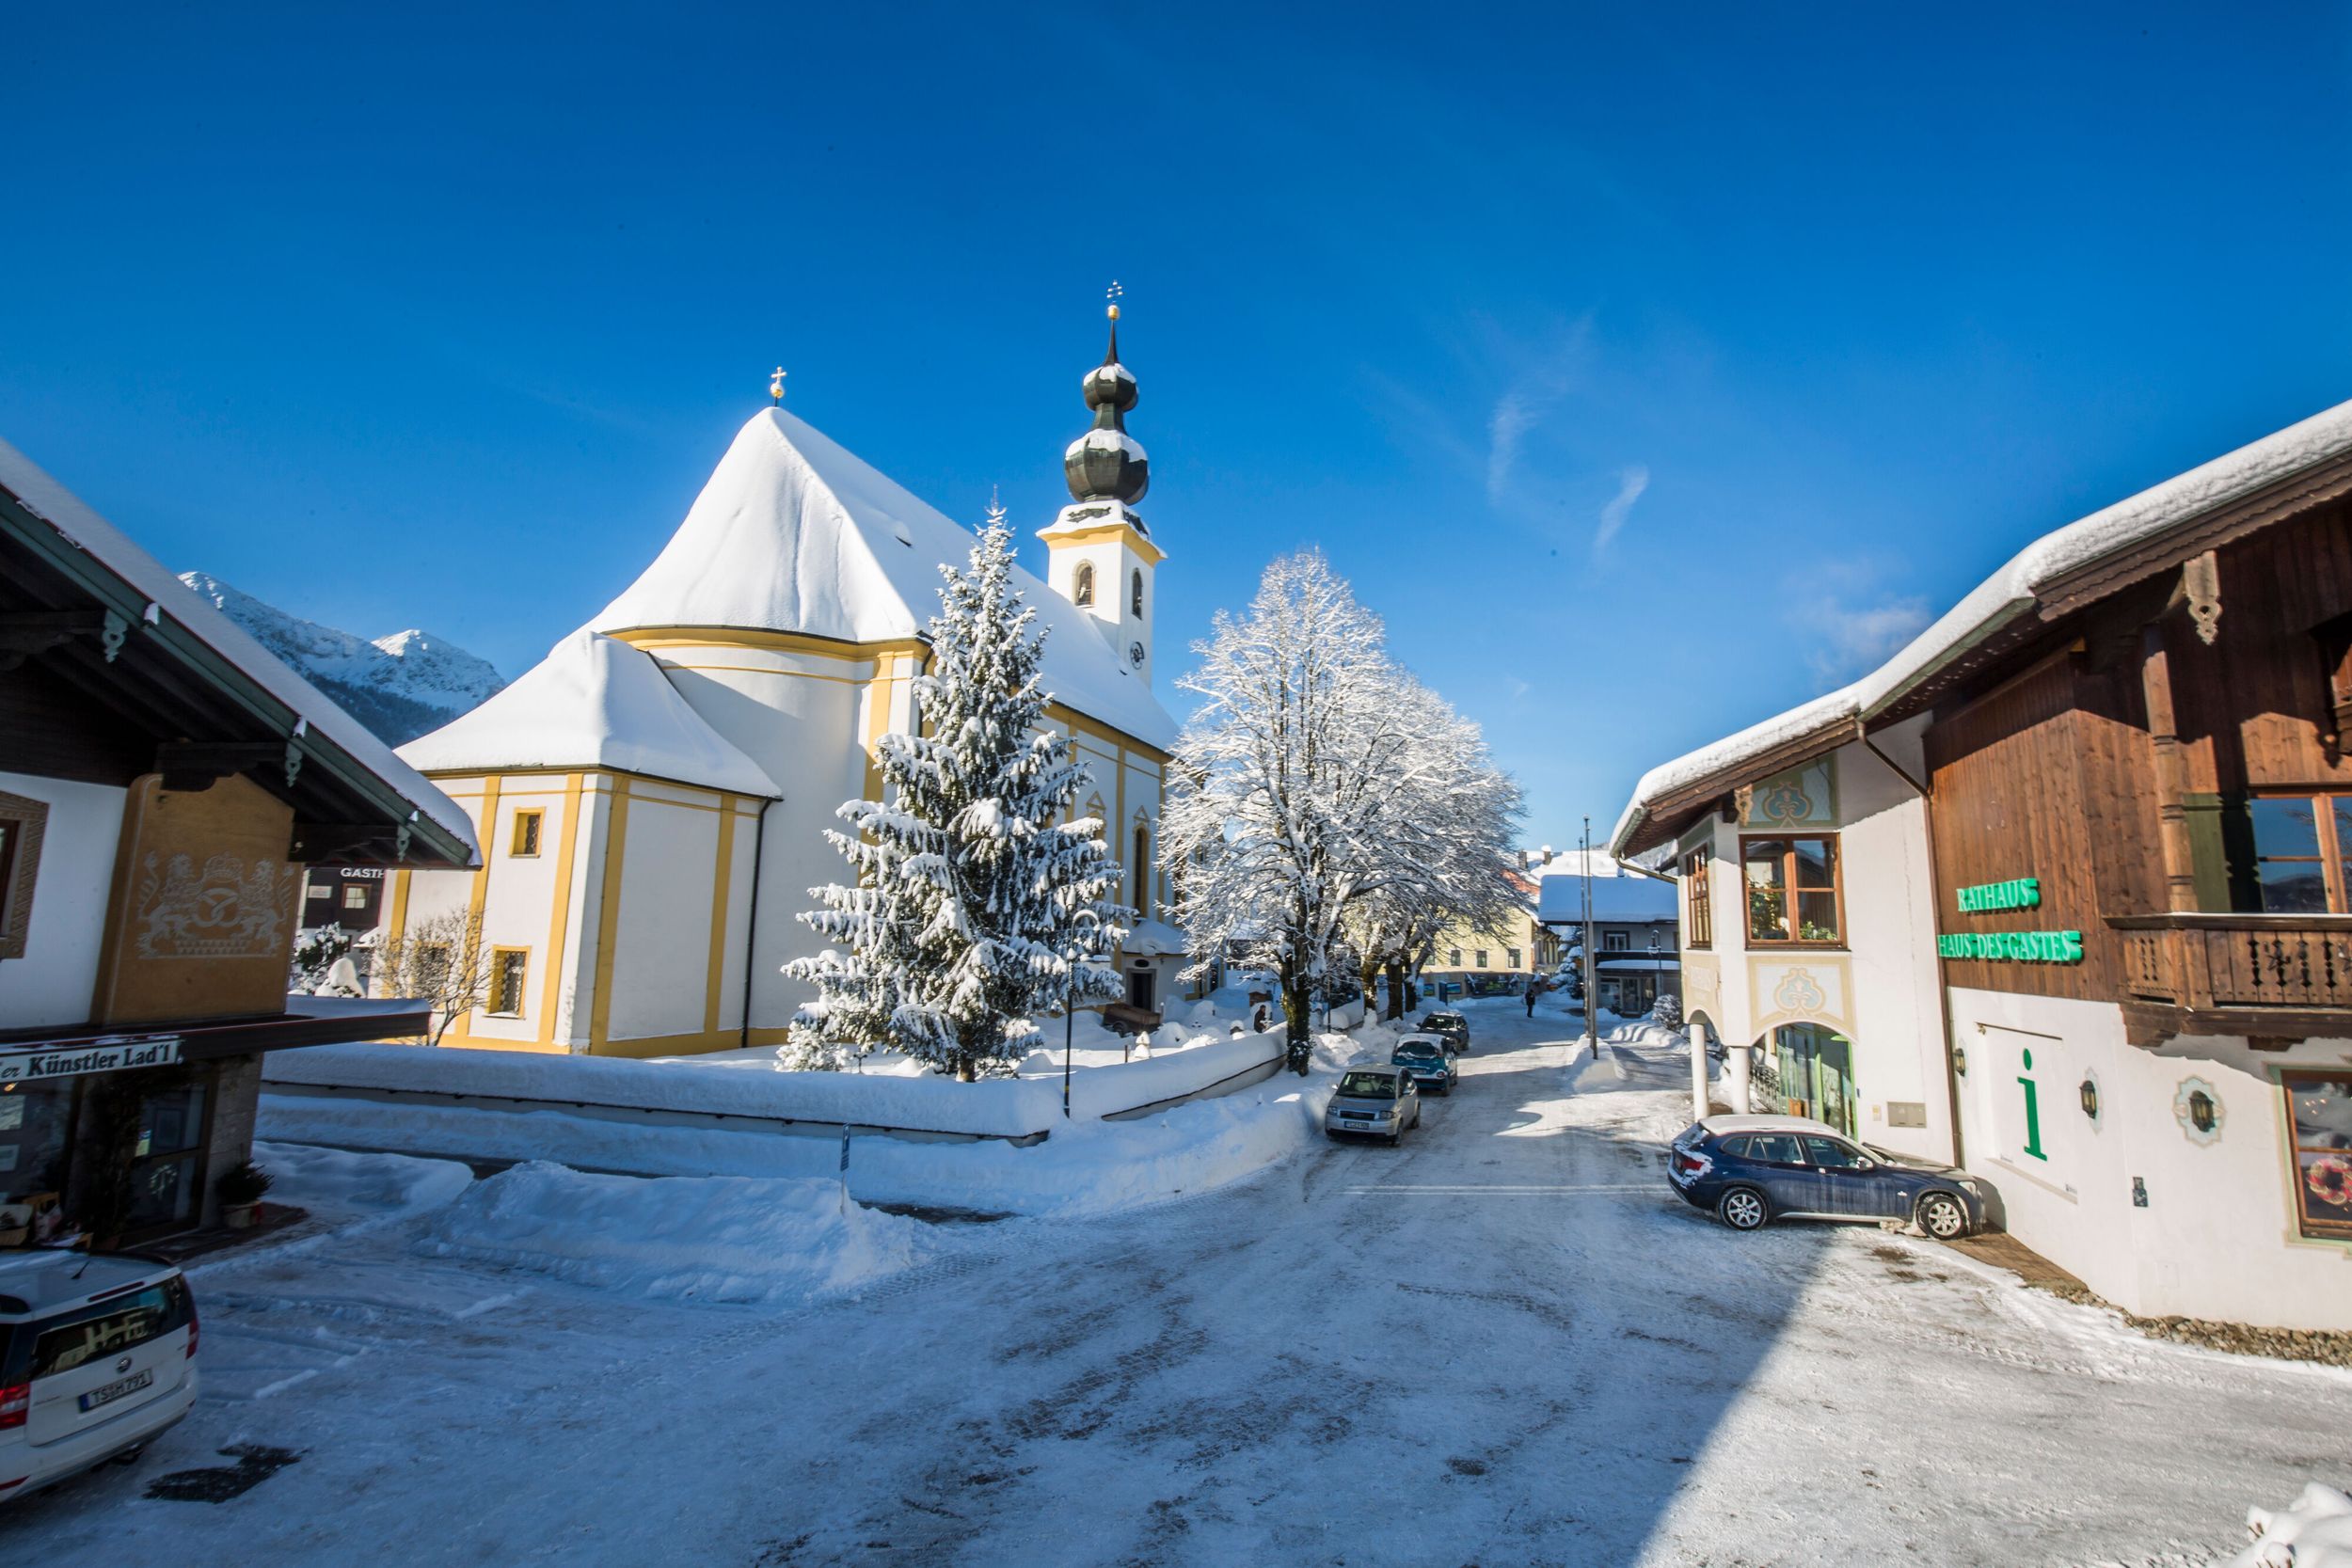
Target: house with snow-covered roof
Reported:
point(653, 797)
point(2063, 892)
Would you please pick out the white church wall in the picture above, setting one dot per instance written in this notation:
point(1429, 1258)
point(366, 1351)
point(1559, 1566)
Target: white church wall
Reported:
point(801, 716)
point(661, 965)
point(518, 893)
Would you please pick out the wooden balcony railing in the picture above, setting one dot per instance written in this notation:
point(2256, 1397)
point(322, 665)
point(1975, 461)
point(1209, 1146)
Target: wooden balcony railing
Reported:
point(2238, 962)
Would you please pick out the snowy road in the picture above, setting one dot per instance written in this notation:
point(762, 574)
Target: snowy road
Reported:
point(1504, 1343)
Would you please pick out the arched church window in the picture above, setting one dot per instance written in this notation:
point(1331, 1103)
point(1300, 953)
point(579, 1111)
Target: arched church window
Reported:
point(1082, 586)
point(1135, 591)
point(1143, 870)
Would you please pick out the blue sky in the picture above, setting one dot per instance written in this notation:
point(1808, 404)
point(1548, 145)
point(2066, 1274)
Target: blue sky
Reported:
point(1648, 373)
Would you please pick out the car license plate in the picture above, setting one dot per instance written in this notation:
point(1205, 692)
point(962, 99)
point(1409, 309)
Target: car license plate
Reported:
point(108, 1393)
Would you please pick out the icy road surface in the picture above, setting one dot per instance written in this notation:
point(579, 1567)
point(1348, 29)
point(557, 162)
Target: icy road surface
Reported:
point(1504, 1343)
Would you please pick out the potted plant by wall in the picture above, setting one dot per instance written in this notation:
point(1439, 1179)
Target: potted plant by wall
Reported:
point(241, 1188)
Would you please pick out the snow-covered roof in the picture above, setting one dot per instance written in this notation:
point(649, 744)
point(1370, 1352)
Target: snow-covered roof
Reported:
point(1154, 938)
point(1736, 754)
point(2130, 523)
point(594, 701)
point(2004, 597)
point(1560, 898)
point(795, 533)
point(102, 542)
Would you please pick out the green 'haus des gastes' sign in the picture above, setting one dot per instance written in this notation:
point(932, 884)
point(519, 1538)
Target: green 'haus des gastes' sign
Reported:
point(2018, 892)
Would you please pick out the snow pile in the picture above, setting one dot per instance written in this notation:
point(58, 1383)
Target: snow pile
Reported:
point(712, 1238)
point(2315, 1534)
point(337, 1185)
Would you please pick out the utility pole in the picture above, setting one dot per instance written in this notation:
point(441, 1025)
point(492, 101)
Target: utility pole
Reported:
point(1592, 989)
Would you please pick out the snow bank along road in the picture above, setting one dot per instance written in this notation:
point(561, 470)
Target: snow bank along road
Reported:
point(1504, 1343)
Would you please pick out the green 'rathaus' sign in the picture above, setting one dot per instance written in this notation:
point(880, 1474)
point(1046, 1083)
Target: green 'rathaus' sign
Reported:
point(2036, 947)
point(2018, 892)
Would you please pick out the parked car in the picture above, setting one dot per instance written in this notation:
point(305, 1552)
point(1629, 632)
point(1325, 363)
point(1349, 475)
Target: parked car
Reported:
point(1427, 1059)
point(1373, 1101)
point(97, 1359)
point(1453, 1026)
point(1749, 1170)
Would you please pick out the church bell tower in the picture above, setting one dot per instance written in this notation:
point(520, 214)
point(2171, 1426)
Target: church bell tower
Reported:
point(1100, 555)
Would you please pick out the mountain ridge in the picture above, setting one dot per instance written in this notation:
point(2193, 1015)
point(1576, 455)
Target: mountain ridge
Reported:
point(399, 686)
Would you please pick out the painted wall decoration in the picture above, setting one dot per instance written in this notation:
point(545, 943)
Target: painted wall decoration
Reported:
point(228, 909)
point(1804, 797)
point(2197, 1107)
point(1817, 989)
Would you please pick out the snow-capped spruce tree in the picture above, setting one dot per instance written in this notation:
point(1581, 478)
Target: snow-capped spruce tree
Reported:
point(976, 903)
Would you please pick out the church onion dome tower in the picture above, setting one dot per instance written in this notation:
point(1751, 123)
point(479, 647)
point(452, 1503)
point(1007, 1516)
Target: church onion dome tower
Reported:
point(1101, 556)
point(1107, 464)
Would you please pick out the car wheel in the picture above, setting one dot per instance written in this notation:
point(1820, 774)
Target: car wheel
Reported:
point(1395, 1138)
point(1743, 1209)
point(1942, 1217)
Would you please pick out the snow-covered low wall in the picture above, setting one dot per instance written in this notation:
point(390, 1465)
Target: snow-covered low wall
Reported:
point(997, 1108)
point(681, 1092)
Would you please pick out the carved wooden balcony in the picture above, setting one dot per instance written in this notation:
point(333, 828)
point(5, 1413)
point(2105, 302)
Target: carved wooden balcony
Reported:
point(2270, 978)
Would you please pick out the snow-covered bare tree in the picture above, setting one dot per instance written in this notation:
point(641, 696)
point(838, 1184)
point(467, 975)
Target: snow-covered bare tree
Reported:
point(1448, 817)
point(1317, 785)
point(978, 894)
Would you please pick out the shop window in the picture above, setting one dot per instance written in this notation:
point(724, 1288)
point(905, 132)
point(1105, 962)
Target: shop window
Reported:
point(526, 841)
point(1512, 954)
point(1792, 891)
point(24, 821)
point(1082, 585)
point(2320, 1108)
point(1702, 916)
point(168, 1162)
point(508, 965)
point(36, 1130)
point(2301, 844)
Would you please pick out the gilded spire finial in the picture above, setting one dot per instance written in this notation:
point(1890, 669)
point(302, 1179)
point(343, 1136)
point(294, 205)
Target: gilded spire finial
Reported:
point(775, 386)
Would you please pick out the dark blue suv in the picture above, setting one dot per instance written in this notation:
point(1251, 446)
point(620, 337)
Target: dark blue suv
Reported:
point(1746, 1170)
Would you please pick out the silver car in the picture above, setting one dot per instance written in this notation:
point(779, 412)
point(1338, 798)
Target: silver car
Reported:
point(1373, 1101)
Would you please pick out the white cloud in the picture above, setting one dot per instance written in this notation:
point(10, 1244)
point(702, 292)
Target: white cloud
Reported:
point(1540, 385)
point(1857, 638)
point(1631, 483)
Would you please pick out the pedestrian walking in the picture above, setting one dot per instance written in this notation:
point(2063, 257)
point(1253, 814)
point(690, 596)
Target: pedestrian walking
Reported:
point(1530, 998)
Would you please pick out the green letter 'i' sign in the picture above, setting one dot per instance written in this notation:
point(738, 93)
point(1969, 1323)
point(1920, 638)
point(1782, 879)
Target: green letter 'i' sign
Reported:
point(2033, 1114)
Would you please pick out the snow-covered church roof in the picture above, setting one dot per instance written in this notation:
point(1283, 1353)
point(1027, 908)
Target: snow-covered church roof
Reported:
point(795, 533)
point(594, 701)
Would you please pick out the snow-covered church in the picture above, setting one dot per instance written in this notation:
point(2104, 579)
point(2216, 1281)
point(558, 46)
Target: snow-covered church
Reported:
point(651, 798)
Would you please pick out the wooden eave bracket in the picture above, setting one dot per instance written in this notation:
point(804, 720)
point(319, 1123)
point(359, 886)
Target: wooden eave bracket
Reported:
point(26, 632)
point(195, 766)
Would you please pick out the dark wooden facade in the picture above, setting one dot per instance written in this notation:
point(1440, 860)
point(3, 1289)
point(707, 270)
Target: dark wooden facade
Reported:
point(2112, 757)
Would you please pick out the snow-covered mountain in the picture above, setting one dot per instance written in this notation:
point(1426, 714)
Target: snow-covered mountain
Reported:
point(399, 685)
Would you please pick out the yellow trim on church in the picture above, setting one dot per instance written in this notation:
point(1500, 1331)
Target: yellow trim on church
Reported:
point(1096, 534)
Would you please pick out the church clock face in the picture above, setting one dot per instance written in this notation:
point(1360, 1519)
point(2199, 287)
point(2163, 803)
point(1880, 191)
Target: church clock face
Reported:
point(1134, 655)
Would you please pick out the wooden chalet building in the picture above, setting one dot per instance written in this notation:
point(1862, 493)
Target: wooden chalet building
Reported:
point(2121, 764)
point(163, 781)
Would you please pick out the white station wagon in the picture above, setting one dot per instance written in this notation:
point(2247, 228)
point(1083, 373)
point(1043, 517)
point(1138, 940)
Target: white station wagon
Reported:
point(97, 1358)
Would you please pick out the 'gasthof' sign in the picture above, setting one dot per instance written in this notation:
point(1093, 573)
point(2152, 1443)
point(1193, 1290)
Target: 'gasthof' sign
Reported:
point(25, 1067)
